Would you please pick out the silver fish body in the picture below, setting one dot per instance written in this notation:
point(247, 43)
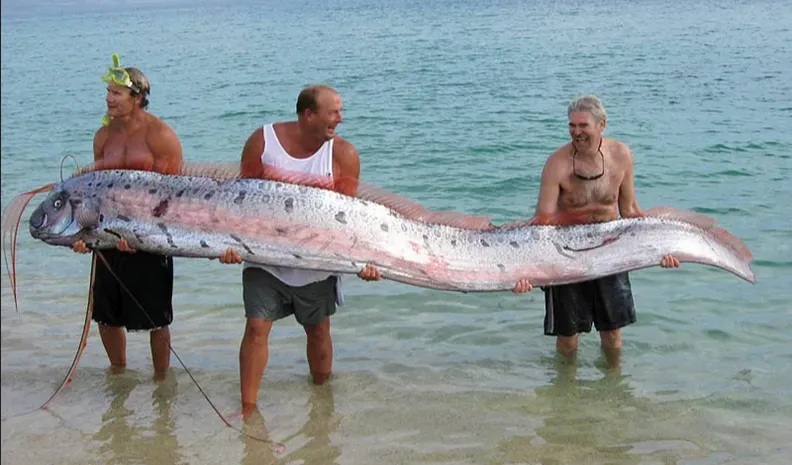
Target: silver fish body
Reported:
point(294, 225)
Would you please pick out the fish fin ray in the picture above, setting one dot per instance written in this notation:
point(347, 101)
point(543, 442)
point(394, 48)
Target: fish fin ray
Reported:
point(9, 227)
point(83, 337)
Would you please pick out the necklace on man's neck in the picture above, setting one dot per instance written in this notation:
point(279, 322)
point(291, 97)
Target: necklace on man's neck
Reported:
point(588, 178)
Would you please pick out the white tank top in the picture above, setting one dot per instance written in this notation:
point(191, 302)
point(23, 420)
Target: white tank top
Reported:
point(320, 163)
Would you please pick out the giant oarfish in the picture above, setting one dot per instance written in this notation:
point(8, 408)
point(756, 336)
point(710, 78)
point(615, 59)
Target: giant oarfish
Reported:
point(297, 225)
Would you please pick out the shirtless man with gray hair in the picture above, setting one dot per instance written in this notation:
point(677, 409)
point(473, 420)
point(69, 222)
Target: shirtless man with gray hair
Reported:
point(588, 180)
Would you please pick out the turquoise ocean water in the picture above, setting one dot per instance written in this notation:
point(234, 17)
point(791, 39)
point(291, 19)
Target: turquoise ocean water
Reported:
point(455, 104)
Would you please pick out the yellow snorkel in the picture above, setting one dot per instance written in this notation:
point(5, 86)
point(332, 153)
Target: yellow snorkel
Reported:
point(117, 75)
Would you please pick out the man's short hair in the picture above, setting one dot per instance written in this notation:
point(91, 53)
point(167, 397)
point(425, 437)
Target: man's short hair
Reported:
point(589, 103)
point(307, 98)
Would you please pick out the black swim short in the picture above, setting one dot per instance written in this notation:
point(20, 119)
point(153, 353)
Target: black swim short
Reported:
point(149, 277)
point(267, 297)
point(572, 308)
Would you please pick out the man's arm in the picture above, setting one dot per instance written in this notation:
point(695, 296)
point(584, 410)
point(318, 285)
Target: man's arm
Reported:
point(346, 178)
point(346, 168)
point(100, 138)
point(250, 165)
point(98, 148)
point(628, 203)
point(166, 148)
point(549, 191)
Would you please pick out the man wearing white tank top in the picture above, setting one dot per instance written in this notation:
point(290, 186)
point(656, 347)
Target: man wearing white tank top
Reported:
point(309, 145)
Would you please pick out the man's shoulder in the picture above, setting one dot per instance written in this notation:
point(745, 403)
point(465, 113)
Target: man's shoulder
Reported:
point(102, 132)
point(619, 149)
point(157, 124)
point(617, 145)
point(560, 156)
point(344, 148)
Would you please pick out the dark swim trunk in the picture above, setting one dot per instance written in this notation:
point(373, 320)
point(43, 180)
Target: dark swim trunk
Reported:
point(149, 277)
point(267, 297)
point(606, 302)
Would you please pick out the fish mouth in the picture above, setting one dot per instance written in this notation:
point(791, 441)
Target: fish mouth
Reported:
point(40, 230)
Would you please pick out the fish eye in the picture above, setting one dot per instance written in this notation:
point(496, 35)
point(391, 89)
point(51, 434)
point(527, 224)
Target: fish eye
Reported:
point(57, 204)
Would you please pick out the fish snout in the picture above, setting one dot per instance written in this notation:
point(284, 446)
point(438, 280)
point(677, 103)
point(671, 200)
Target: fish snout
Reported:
point(38, 219)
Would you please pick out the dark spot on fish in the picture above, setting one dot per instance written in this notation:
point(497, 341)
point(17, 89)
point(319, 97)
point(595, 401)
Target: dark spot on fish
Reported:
point(453, 242)
point(404, 227)
point(514, 244)
point(209, 195)
point(93, 196)
point(123, 218)
point(180, 193)
point(236, 238)
point(501, 267)
point(289, 205)
point(240, 198)
point(90, 184)
point(484, 243)
point(341, 217)
point(426, 238)
point(161, 208)
point(98, 184)
point(110, 231)
point(101, 217)
point(364, 203)
point(204, 245)
point(110, 186)
point(127, 186)
point(152, 191)
point(298, 257)
point(168, 235)
point(384, 227)
point(282, 231)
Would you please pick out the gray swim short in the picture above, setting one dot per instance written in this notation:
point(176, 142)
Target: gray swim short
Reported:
point(267, 297)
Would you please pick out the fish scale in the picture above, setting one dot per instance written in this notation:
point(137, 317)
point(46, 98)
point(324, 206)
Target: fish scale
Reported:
point(285, 224)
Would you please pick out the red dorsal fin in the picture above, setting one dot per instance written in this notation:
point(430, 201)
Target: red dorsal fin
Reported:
point(413, 210)
point(697, 219)
point(228, 170)
point(211, 170)
point(707, 223)
point(410, 209)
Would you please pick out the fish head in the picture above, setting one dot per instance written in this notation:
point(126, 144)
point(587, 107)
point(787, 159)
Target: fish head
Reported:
point(62, 216)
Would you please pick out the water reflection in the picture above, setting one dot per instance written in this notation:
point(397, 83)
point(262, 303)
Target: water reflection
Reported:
point(584, 420)
point(318, 449)
point(124, 439)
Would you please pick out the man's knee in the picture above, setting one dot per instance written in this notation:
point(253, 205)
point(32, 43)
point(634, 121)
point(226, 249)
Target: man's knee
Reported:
point(318, 332)
point(257, 330)
point(567, 345)
point(611, 339)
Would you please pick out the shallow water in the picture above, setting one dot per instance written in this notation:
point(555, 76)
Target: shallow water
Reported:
point(457, 106)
